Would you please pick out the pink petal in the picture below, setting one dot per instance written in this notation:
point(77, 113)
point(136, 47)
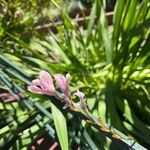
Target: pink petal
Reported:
point(63, 84)
point(80, 94)
point(36, 82)
point(68, 76)
point(82, 101)
point(61, 81)
point(35, 89)
point(46, 82)
point(45, 79)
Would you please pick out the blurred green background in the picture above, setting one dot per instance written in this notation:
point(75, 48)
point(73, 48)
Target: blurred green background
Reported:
point(104, 45)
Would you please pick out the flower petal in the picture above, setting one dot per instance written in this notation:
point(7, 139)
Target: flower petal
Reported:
point(36, 82)
point(79, 94)
point(68, 76)
point(63, 84)
point(46, 83)
point(35, 89)
point(82, 103)
point(65, 106)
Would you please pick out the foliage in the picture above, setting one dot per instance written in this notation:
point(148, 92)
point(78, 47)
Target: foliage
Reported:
point(110, 64)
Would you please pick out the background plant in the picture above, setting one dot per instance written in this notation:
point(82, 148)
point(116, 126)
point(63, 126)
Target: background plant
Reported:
point(108, 63)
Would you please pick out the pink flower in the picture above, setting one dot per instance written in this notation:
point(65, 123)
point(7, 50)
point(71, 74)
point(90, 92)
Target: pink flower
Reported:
point(80, 95)
point(82, 101)
point(63, 84)
point(44, 85)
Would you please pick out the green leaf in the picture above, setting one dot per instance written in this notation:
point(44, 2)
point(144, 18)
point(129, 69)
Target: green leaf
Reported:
point(117, 20)
point(61, 127)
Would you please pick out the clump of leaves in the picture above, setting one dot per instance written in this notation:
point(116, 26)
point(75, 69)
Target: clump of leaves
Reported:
point(109, 63)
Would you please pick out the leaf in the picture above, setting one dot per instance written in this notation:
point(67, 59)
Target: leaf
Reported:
point(139, 125)
point(117, 21)
point(90, 140)
point(61, 127)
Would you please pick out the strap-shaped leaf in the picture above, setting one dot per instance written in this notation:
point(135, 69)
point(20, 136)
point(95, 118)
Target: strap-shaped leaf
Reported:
point(61, 127)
